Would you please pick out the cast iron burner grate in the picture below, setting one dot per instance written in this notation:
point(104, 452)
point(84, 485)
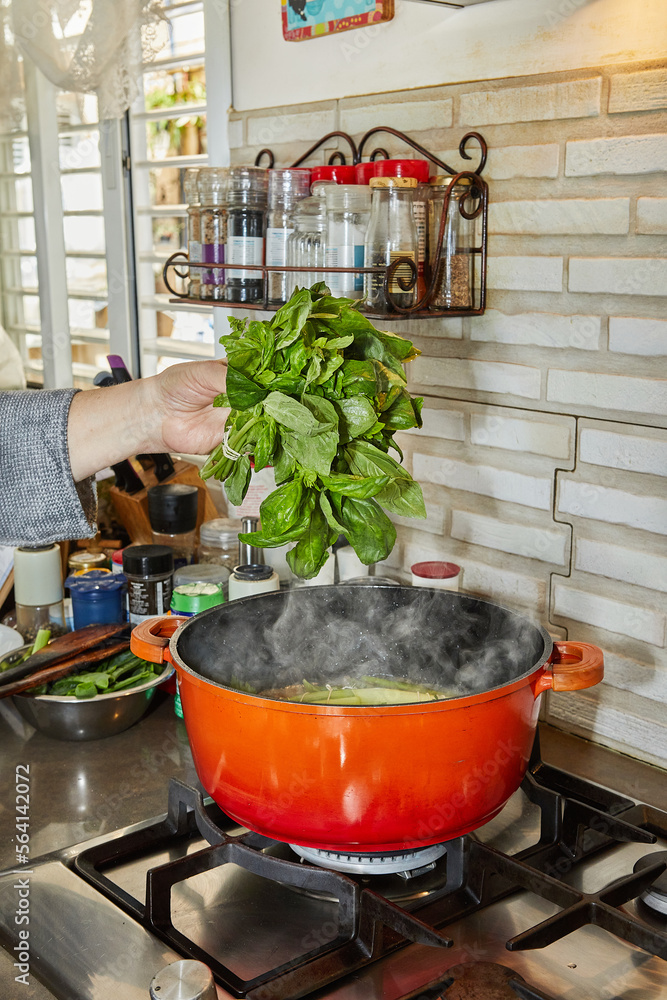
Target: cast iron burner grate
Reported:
point(478, 981)
point(578, 819)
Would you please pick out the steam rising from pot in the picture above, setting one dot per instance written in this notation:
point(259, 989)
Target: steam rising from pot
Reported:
point(336, 635)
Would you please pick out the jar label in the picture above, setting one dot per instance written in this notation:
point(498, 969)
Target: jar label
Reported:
point(147, 598)
point(245, 250)
point(345, 256)
point(194, 251)
point(403, 271)
point(276, 246)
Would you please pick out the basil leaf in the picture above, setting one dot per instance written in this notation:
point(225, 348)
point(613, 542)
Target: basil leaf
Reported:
point(403, 413)
point(265, 444)
point(242, 392)
point(315, 453)
point(402, 495)
point(359, 377)
point(310, 553)
point(280, 510)
point(291, 318)
point(330, 514)
point(359, 487)
point(368, 529)
point(357, 416)
point(283, 463)
point(290, 413)
point(237, 482)
point(221, 400)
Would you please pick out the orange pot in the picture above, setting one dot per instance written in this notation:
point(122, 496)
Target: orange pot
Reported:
point(365, 778)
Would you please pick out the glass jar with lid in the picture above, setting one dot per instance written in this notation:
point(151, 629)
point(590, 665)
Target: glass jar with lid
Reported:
point(391, 234)
point(246, 228)
point(212, 188)
point(219, 542)
point(306, 244)
point(454, 267)
point(286, 189)
point(348, 213)
point(191, 192)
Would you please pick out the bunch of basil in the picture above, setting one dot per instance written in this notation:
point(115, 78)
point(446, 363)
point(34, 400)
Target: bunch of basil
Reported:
point(318, 394)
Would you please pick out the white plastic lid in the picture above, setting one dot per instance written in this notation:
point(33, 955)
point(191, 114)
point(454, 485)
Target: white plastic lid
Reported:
point(38, 576)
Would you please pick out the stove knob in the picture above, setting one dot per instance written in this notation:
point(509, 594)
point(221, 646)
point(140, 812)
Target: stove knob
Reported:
point(185, 980)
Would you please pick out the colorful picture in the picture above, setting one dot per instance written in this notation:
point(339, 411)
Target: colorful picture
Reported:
point(304, 19)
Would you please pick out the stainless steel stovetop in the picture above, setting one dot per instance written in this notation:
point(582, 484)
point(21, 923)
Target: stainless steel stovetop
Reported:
point(83, 946)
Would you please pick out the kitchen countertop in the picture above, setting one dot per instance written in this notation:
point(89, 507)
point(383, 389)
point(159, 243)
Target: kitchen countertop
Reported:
point(81, 790)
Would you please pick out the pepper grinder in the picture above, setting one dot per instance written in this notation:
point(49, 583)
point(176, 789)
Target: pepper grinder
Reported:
point(251, 576)
point(38, 590)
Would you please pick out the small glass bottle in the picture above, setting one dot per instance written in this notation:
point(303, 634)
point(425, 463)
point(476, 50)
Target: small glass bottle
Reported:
point(219, 542)
point(306, 245)
point(286, 189)
point(191, 192)
point(391, 234)
point(455, 267)
point(212, 188)
point(172, 512)
point(38, 590)
point(246, 227)
point(348, 213)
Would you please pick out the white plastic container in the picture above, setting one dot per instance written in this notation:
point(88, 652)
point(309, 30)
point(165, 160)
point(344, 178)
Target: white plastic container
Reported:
point(325, 577)
point(246, 581)
point(350, 566)
point(443, 575)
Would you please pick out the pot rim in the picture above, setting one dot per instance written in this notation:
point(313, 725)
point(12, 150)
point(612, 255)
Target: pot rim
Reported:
point(404, 708)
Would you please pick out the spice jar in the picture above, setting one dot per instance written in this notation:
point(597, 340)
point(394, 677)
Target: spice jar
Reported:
point(454, 267)
point(149, 570)
point(391, 234)
point(286, 189)
point(219, 542)
point(246, 226)
point(212, 188)
point(254, 579)
point(172, 512)
point(82, 561)
point(191, 192)
point(38, 590)
point(98, 597)
point(348, 213)
point(306, 245)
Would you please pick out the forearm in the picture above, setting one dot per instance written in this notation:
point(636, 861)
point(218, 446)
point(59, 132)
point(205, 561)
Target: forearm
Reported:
point(108, 425)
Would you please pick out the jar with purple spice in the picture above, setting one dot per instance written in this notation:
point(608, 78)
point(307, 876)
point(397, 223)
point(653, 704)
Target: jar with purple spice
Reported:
point(212, 188)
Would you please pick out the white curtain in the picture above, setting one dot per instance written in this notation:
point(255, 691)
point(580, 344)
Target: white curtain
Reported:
point(86, 46)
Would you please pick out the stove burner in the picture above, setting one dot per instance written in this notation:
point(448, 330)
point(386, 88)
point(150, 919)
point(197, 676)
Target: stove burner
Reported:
point(407, 864)
point(655, 896)
point(480, 981)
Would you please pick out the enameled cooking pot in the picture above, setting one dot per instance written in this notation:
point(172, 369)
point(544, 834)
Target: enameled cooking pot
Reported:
point(367, 778)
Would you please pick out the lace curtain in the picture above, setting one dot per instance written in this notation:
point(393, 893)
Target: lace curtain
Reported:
point(85, 46)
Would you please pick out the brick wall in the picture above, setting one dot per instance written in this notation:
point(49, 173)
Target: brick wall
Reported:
point(543, 456)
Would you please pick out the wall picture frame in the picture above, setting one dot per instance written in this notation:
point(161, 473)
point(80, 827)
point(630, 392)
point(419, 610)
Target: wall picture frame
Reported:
point(306, 19)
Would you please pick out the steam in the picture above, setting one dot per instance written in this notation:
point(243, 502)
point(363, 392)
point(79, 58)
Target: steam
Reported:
point(336, 635)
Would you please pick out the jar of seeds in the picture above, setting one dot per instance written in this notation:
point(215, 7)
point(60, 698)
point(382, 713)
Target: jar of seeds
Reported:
point(454, 266)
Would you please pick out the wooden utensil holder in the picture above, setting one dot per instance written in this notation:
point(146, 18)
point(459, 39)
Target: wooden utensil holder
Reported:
point(132, 510)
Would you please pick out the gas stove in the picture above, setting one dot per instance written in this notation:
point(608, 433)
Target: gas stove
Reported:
point(562, 895)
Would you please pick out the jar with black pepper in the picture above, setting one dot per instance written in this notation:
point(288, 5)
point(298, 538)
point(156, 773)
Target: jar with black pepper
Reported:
point(246, 228)
point(212, 188)
point(150, 572)
point(454, 267)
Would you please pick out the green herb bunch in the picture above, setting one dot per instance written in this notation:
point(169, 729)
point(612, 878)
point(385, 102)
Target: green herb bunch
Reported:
point(318, 393)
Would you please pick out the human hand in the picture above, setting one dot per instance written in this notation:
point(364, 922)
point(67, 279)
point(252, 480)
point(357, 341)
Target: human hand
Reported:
point(182, 397)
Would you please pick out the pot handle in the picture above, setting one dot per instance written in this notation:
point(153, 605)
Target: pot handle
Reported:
point(150, 639)
point(575, 665)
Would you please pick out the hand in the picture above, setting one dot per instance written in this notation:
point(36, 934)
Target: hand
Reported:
point(183, 397)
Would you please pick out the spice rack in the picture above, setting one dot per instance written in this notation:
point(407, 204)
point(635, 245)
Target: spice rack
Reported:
point(473, 206)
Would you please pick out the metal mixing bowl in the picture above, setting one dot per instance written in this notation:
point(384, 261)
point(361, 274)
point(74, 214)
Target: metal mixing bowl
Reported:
point(65, 717)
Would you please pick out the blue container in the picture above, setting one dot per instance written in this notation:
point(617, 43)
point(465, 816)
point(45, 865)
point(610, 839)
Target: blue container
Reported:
point(97, 597)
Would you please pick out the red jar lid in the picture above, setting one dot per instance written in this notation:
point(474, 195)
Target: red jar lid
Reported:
point(419, 169)
point(340, 173)
point(364, 172)
point(435, 570)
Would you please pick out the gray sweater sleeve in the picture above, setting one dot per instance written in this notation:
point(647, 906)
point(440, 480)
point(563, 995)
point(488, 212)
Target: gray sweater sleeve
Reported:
point(39, 501)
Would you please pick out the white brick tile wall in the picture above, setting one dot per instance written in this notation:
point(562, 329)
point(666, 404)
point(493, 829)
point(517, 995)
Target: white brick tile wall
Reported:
point(545, 102)
point(640, 678)
point(490, 481)
point(624, 450)
point(646, 91)
point(540, 329)
point(408, 116)
point(644, 569)
point(519, 539)
point(632, 620)
point(630, 335)
point(627, 154)
point(529, 274)
point(278, 128)
point(619, 275)
point(509, 162)
point(502, 585)
point(515, 434)
point(571, 215)
point(449, 424)
point(602, 503)
point(607, 392)
point(652, 215)
point(236, 129)
point(484, 376)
